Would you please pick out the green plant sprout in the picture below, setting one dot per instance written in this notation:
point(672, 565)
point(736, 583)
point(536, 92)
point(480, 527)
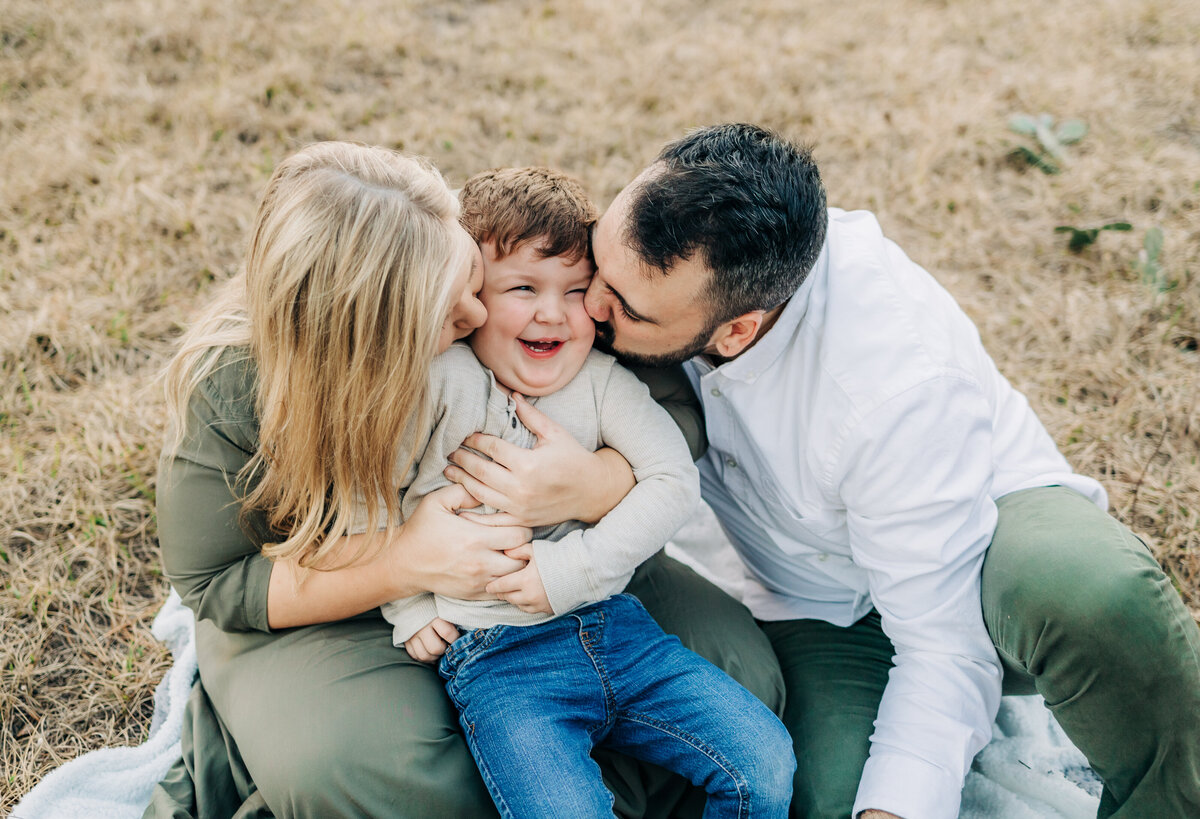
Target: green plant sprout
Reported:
point(1147, 264)
point(1051, 155)
point(1082, 237)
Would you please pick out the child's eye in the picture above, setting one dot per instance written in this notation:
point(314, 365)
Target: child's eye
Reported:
point(522, 288)
point(579, 290)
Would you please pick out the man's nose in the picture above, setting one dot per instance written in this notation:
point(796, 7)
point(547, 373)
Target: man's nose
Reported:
point(594, 303)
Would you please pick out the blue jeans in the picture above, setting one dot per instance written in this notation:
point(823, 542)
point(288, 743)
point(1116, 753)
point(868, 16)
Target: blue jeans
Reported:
point(533, 701)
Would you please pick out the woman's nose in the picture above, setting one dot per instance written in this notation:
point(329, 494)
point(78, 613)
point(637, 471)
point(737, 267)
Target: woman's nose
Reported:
point(471, 313)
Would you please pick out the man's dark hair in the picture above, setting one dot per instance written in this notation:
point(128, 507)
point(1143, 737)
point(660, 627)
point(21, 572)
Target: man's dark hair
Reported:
point(748, 201)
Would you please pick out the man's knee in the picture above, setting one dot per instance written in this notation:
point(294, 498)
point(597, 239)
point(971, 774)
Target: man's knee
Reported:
point(816, 798)
point(1118, 620)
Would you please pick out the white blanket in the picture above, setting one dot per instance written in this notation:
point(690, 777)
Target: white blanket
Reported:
point(117, 782)
point(1030, 770)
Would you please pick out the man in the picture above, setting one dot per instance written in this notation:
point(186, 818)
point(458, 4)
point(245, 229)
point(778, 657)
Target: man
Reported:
point(910, 532)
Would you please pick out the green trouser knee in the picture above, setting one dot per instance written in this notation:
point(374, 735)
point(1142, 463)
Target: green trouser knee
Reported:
point(834, 678)
point(1080, 612)
point(332, 720)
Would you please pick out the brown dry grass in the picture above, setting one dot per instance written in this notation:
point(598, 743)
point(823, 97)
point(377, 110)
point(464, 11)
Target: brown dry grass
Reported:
point(136, 135)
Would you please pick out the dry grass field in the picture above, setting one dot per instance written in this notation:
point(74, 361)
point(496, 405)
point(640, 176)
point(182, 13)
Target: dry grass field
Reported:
point(135, 136)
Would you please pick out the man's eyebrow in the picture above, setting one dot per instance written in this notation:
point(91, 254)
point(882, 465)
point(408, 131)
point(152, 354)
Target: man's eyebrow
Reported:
point(629, 311)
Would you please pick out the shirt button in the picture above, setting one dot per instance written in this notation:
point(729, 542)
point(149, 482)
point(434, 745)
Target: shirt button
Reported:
point(731, 463)
point(822, 557)
point(716, 392)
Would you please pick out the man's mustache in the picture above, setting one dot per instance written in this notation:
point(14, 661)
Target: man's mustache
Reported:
point(604, 335)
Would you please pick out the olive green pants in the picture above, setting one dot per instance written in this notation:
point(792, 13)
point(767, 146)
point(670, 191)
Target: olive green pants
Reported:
point(1080, 613)
point(332, 720)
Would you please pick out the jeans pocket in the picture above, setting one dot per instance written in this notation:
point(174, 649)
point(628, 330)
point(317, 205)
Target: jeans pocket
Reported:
point(466, 648)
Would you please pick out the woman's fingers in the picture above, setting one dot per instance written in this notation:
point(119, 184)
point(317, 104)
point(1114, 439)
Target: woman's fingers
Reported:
point(508, 587)
point(454, 496)
point(522, 552)
point(495, 519)
point(449, 553)
point(498, 449)
point(486, 493)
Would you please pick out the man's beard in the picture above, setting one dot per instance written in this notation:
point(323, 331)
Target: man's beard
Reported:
point(604, 341)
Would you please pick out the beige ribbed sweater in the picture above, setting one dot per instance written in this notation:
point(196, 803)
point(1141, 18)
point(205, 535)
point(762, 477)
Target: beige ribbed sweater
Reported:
point(604, 405)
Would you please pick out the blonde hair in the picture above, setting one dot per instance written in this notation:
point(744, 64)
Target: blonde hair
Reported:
point(340, 303)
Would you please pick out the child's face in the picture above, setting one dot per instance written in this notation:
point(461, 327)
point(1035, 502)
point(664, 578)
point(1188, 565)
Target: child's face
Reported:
point(537, 333)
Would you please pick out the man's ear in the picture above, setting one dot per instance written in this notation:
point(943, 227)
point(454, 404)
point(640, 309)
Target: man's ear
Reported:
point(735, 335)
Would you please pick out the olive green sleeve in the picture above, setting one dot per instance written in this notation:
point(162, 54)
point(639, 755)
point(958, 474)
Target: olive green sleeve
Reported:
point(211, 560)
point(669, 386)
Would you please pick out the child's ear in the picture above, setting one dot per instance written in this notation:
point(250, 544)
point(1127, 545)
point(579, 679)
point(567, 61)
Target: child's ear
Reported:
point(735, 335)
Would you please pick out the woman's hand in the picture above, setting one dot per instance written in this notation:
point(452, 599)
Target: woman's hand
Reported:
point(434, 551)
point(555, 481)
point(441, 552)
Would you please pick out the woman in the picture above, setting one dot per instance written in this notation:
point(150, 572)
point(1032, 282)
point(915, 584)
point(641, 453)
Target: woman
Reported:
point(287, 401)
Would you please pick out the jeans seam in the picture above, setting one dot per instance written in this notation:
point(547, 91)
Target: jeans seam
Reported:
point(601, 670)
point(703, 747)
point(487, 776)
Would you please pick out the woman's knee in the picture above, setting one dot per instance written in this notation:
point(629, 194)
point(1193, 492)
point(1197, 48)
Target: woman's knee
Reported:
point(389, 764)
point(334, 721)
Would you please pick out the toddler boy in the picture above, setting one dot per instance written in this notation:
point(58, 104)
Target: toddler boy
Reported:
point(570, 662)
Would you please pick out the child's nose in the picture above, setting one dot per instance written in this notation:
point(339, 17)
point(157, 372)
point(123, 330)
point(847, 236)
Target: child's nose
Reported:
point(550, 309)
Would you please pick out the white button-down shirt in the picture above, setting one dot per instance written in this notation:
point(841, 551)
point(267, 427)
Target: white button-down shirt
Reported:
point(855, 455)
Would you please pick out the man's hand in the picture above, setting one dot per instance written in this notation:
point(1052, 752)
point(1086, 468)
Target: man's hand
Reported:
point(432, 641)
point(557, 480)
point(522, 588)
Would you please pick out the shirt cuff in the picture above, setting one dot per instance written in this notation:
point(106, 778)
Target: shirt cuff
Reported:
point(908, 787)
point(257, 581)
point(409, 615)
point(565, 576)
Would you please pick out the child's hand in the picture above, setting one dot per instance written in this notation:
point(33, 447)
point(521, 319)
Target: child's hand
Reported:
point(523, 588)
point(432, 641)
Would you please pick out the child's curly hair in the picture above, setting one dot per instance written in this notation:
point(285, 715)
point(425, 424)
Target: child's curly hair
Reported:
point(511, 206)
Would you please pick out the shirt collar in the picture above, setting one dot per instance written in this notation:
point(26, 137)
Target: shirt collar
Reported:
point(766, 351)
